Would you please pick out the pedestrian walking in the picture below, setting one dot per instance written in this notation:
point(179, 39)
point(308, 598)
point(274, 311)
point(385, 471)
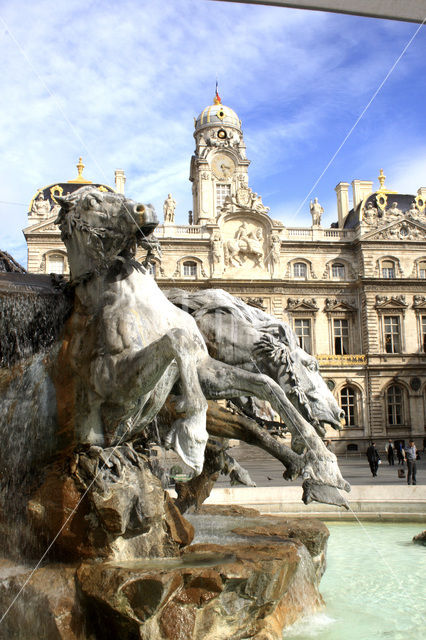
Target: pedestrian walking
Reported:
point(390, 451)
point(373, 458)
point(400, 454)
point(411, 457)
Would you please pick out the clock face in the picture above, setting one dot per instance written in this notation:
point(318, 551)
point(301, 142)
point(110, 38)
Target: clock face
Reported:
point(223, 166)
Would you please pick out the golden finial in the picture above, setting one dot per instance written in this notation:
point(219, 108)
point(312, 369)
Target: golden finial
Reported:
point(381, 178)
point(80, 166)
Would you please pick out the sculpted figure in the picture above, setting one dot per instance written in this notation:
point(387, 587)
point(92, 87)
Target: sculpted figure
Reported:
point(393, 211)
point(370, 214)
point(217, 248)
point(246, 244)
point(275, 252)
point(41, 207)
point(316, 212)
point(413, 210)
point(169, 207)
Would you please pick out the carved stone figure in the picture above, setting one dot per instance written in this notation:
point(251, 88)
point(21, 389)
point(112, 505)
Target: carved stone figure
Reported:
point(41, 207)
point(316, 212)
point(247, 244)
point(169, 207)
point(370, 214)
point(393, 211)
point(275, 253)
point(413, 211)
point(190, 218)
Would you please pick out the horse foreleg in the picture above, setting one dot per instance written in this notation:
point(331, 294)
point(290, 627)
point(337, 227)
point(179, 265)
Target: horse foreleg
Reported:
point(126, 377)
point(219, 380)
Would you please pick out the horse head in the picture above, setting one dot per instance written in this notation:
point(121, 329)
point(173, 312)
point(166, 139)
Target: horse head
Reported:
point(297, 373)
point(98, 227)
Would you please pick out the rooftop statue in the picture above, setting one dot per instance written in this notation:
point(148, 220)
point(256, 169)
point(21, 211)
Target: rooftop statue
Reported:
point(169, 207)
point(316, 212)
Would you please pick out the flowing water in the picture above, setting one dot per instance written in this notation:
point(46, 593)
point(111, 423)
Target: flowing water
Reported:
point(374, 586)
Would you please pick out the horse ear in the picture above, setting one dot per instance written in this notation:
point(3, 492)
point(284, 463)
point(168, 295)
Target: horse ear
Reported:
point(64, 202)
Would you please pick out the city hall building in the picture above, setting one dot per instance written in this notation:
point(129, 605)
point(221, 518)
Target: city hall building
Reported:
point(354, 293)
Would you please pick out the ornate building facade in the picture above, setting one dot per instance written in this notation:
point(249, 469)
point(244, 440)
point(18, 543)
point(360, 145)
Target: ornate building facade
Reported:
point(354, 293)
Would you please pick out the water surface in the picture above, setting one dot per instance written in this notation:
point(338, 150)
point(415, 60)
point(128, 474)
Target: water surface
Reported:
point(374, 585)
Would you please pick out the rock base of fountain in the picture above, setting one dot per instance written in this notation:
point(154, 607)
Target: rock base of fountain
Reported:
point(238, 590)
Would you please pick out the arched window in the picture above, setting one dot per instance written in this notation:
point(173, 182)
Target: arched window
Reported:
point(388, 269)
point(190, 269)
point(55, 263)
point(338, 271)
point(152, 268)
point(422, 269)
point(395, 405)
point(299, 270)
point(348, 404)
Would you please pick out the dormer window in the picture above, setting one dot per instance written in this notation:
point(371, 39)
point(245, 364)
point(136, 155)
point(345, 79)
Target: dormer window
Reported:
point(388, 269)
point(338, 271)
point(299, 270)
point(55, 264)
point(190, 269)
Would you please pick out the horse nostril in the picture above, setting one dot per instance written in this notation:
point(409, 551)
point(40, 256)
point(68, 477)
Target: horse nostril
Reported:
point(139, 209)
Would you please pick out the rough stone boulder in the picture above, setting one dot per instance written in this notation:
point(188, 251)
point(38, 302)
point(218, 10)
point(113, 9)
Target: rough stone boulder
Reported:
point(213, 592)
point(108, 504)
point(46, 606)
point(310, 532)
point(420, 538)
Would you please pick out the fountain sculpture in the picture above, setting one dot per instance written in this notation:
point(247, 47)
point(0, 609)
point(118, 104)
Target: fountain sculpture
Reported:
point(96, 370)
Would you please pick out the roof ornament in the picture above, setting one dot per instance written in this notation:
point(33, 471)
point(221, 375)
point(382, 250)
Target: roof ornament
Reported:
point(80, 166)
point(381, 178)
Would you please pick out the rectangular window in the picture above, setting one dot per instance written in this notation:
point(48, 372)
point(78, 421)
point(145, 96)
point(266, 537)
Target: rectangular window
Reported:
point(189, 269)
point(338, 271)
point(341, 337)
point(302, 329)
point(392, 334)
point(347, 402)
point(424, 333)
point(222, 190)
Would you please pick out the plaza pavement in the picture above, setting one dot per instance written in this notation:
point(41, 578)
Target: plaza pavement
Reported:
point(385, 497)
point(267, 471)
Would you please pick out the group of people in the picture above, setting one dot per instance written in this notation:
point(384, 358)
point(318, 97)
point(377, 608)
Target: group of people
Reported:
point(408, 454)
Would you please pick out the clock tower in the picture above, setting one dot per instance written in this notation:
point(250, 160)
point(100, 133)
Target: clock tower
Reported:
point(219, 165)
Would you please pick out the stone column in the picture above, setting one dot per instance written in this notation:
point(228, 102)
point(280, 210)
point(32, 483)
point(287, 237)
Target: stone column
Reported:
point(120, 180)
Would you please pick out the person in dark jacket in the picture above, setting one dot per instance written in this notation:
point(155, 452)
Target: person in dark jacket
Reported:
point(400, 453)
point(390, 450)
point(373, 458)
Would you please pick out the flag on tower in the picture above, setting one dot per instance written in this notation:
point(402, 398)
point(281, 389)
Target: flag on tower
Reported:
point(217, 99)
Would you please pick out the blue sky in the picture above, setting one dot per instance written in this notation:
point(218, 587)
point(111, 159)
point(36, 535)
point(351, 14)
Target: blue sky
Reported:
point(119, 83)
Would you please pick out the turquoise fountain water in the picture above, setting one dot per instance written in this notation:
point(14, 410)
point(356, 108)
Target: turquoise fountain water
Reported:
point(374, 586)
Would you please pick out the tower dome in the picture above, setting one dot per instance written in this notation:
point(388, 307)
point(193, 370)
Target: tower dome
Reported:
point(217, 114)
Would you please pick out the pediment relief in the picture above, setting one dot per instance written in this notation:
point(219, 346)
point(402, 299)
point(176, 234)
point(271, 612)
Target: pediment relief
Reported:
point(405, 229)
point(302, 304)
point(419, 302)
point(46, 226)
point(392, 302)
point(332, 305)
